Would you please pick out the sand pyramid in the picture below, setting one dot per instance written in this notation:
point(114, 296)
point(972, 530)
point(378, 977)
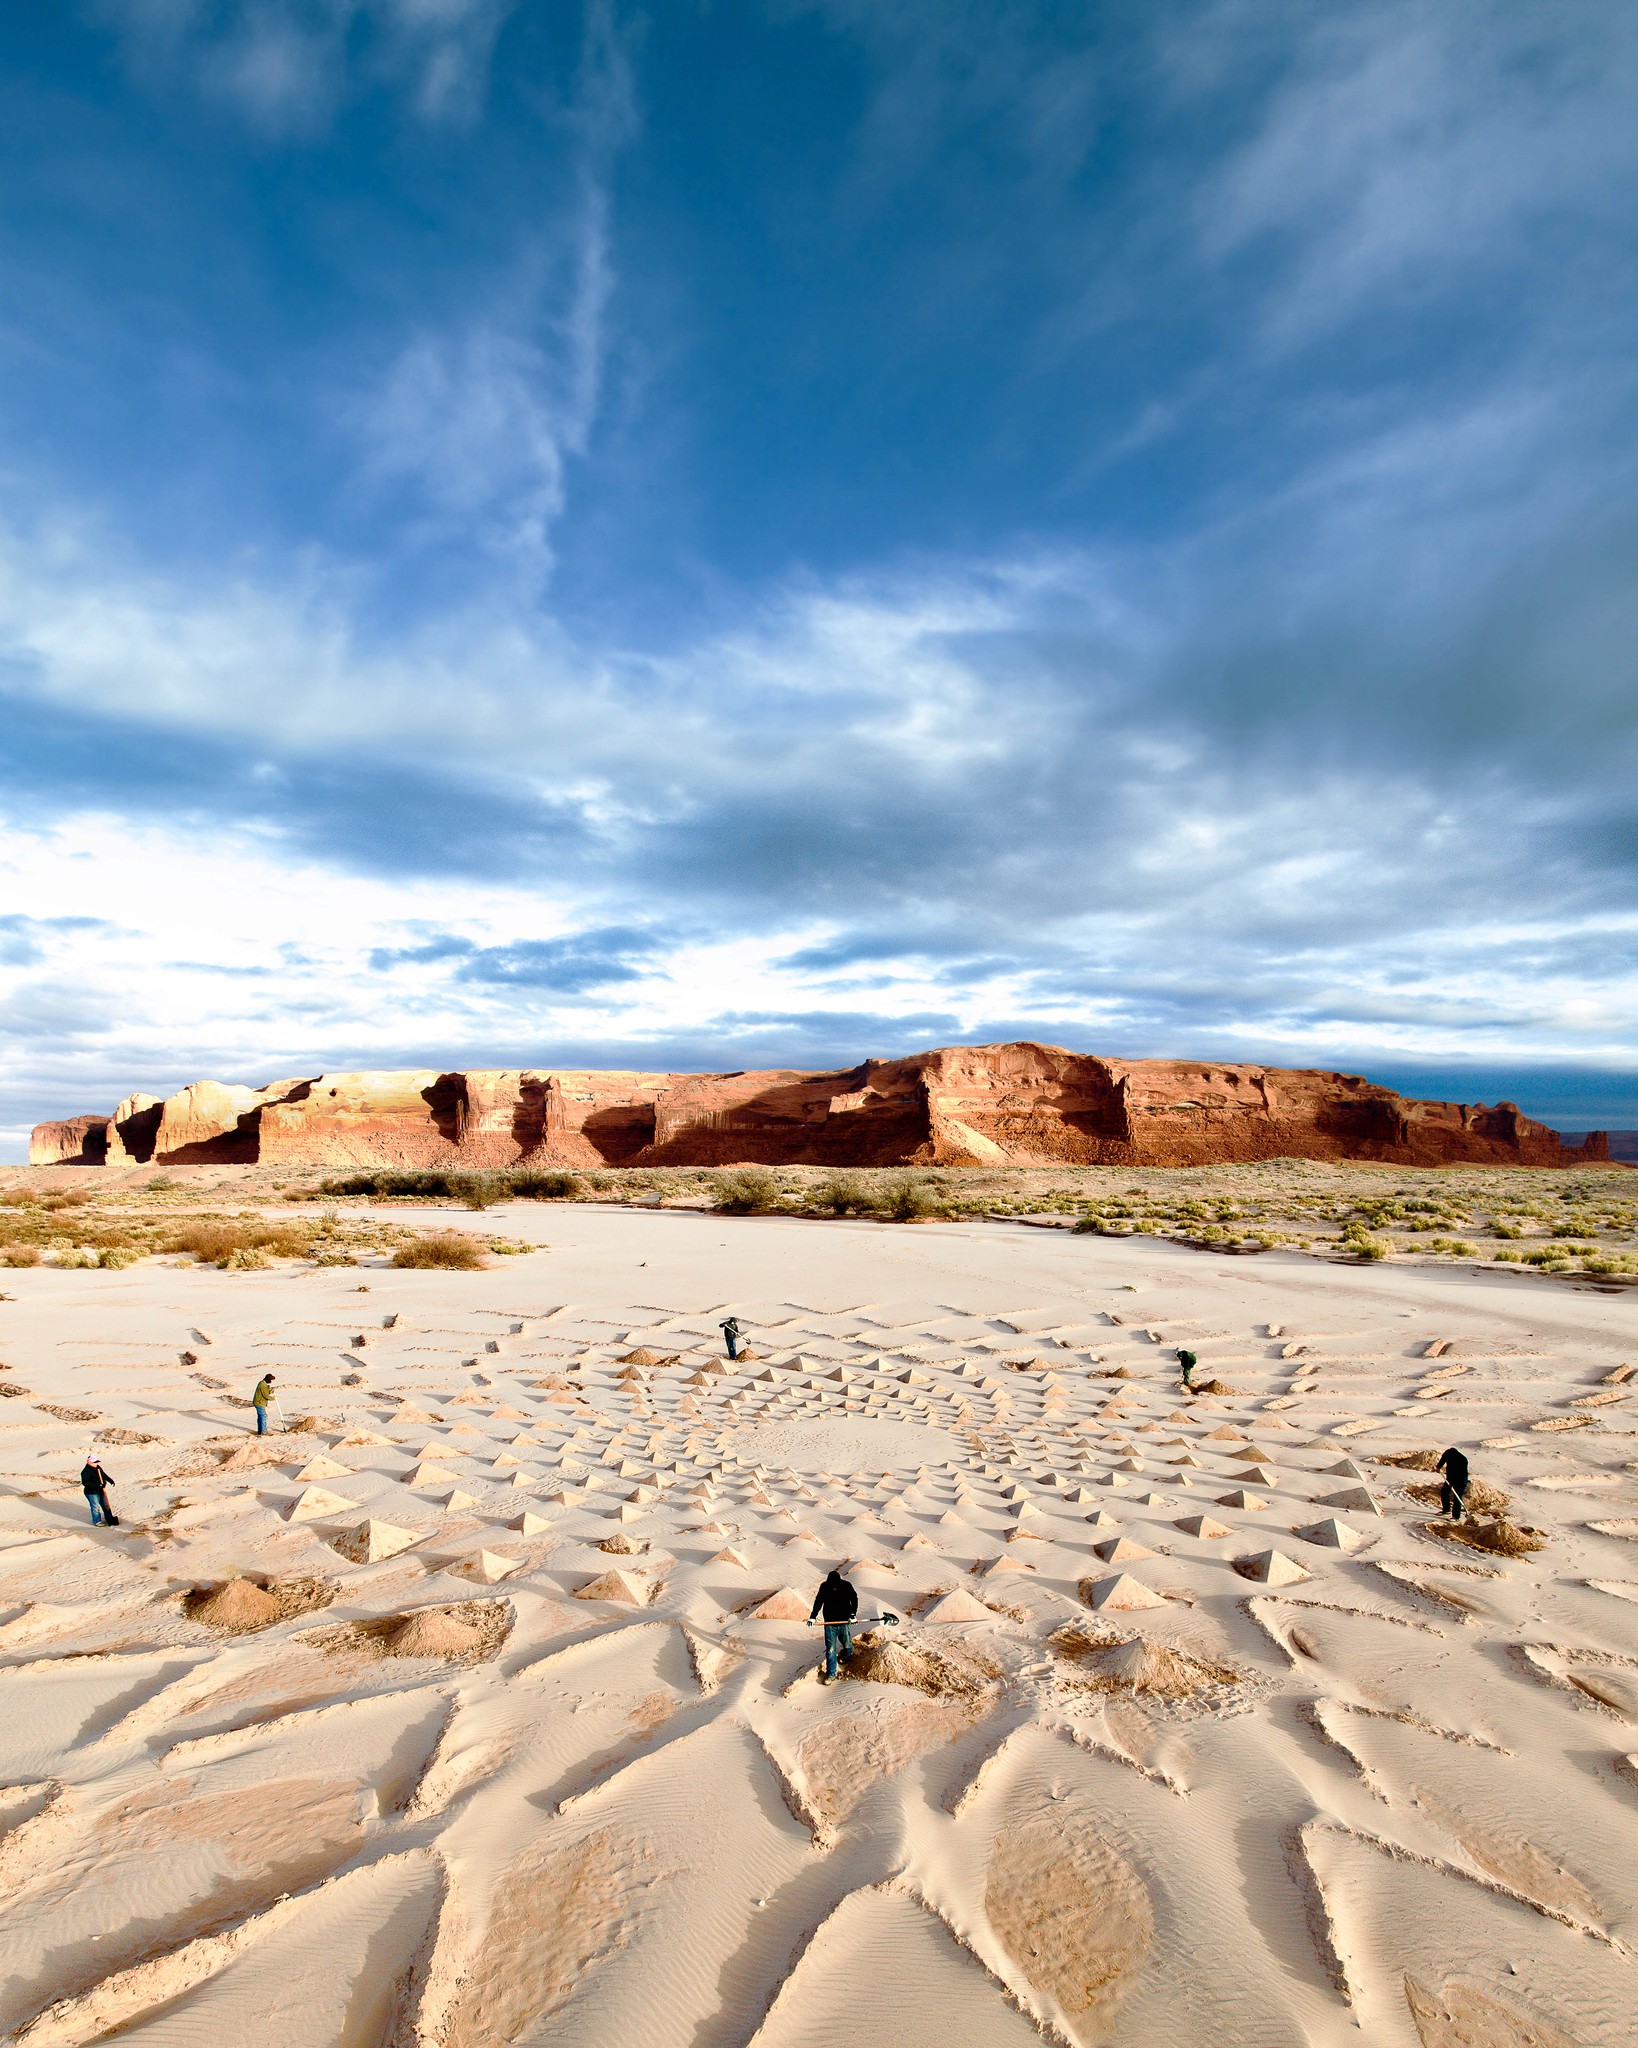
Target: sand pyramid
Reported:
point(430, 1475)
point(729, 1556)
point(322, 1467)
point(373, 1540)
point(781, 1606)
point(957, 1605)
point(458, 1501)
point(1120, 1593)
point(528, 1524)
point(316, 1503)
point(1240, 1498)
point(1345, 1468)
point(1270, 1568)
point(1202, 1525)
point(1225, 1433)
point(1121, 1550)
point(489, 1566)
point(623, 1587)
point(1332, 1534)
point(1252, 1454)
point(1355, 1498)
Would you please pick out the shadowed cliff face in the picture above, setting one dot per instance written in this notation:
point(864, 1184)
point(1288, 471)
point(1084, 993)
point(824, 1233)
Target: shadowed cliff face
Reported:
point(1019, 1104)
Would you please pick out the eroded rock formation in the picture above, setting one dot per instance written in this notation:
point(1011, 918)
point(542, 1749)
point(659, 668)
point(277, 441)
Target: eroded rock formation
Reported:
point(973, 1105)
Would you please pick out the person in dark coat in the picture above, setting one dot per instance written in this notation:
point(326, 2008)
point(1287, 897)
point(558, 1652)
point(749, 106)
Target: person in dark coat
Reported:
point(96, 1483)
point(1453, 1500)
point(1188, 1361)
point(837, 1601)
point(730, 1335)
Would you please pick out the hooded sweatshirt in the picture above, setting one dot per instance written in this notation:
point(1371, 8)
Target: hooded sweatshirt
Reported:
point(93, 1479)
point(836, 1600)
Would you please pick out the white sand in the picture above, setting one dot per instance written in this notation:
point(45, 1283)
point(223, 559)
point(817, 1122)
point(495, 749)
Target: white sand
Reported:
point(1405, 1816)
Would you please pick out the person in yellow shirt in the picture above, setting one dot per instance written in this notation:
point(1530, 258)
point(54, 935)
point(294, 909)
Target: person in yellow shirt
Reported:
point(260, 1400)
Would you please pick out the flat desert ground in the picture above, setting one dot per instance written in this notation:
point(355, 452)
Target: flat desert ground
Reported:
point(1191, 1731)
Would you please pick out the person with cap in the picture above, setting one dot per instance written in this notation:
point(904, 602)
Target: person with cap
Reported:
point(730, 1333)
point(837, 1601)
point(260, 1400)
point(96, 1482)
point(1453, 1500)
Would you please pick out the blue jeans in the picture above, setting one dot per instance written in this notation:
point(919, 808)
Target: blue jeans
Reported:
point(838, 1637)
point(261, 1422)
point(98, 1504)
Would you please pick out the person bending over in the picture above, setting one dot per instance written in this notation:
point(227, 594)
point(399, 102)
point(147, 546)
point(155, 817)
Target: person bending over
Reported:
point(730, 1335)
point(839, 1604)
point(1188, 1361)
point(259, 1401)
point(1453, 1500)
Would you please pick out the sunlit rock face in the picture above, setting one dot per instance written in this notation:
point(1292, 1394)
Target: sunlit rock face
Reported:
point(975, 1105)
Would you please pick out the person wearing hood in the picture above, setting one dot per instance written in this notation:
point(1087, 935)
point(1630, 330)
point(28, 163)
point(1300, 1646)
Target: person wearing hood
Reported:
point(837, 1601)
point(96, 1483)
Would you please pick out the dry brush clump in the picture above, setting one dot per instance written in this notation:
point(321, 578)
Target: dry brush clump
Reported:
point(450, 1251)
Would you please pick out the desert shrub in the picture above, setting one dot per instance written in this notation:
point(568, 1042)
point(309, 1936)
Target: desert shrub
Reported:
point(214, 1240)
point(449, 1250)
point(21, 1255)
point(909, 1199)
point(745, 1191)
point(1358, 1240)
point(384, 1180)
point(113, 1256)
point(248, 1258)
point(844, 1194)
point(534, 1186)
point(74, 1258)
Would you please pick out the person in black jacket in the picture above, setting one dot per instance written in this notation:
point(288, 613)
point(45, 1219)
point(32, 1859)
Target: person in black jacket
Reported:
point(731, 1335)
point(96, 1483)
point(839, 1604)
point(1453, 1501)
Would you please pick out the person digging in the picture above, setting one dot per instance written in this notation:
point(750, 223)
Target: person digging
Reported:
point(731, 1335)
point(1453, 1499)
point(262, 1400)
point(838, 1603)
point(1188, 1362)
point(96, 1482)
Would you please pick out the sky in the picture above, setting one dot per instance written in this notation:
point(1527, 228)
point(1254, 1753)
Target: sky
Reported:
point(729, 535)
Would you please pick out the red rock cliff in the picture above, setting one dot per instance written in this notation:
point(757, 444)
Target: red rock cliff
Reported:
point(1020, 1104)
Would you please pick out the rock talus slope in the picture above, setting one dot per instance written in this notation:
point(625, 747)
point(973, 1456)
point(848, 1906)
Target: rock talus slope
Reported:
point(1019, 1104)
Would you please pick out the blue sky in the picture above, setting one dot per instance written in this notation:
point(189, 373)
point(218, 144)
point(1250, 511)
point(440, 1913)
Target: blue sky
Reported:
point(742, 534)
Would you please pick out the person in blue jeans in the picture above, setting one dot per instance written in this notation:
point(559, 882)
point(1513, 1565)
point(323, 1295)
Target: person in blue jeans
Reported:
point(838, 1603)
point(259, 1401)
point(731, 1335)
point(95, 1482)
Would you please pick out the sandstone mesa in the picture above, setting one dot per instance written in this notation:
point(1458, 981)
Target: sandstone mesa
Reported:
point(1018, 1104)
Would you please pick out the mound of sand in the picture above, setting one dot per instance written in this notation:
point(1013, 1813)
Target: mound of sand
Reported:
point(435, 1632)
point(1504, 1538)
point(1139, 1666)
point(1482, 1497)
point(237, 1607)
point(944, 1673)
point(241, 1606)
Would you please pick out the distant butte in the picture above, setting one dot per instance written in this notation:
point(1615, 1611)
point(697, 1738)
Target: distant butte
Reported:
point(970, 1105)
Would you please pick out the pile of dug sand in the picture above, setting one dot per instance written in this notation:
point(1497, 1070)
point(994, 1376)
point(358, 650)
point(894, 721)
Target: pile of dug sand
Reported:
point(236, 1607)
point(436, 1632)
point(941, 1674)
point(241, 1606)
point(1504, 1538)
point(467, 1633)
point(1137, 1665)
